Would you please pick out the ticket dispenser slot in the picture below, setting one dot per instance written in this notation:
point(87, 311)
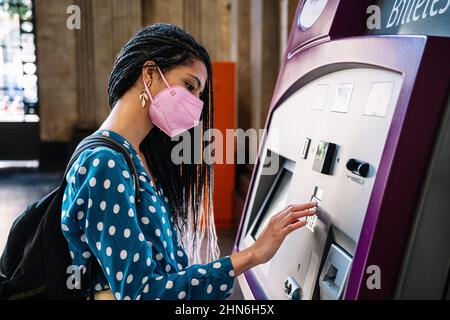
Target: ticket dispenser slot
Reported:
point(291, 288)
point(334, 274)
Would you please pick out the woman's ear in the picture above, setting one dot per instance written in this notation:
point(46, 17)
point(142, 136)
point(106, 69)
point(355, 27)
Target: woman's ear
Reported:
point(147, 70)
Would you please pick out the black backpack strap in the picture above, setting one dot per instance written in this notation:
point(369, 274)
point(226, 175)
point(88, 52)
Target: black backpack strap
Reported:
point(89, 143)
point(98, 141)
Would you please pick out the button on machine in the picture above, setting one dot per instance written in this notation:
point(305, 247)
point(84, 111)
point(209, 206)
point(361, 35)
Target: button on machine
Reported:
point(316, 197)
point(358, 167)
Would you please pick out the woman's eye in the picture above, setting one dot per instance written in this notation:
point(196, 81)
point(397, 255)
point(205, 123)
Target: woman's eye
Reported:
point(189, 86)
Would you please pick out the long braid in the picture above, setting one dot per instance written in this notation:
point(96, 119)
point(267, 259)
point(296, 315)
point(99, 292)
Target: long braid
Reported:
point(188, 186)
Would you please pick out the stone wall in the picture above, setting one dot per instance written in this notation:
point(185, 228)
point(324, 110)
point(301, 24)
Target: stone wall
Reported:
point(56, 61)
point(73, 65)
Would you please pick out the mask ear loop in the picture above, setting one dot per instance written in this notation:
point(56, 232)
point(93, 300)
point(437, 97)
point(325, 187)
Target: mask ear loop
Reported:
point(147, 89)
point(172, 92)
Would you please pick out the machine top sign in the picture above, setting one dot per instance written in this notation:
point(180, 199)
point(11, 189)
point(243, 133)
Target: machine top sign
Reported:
point(423, 17)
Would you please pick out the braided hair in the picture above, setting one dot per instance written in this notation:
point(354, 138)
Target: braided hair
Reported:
point(188, 186)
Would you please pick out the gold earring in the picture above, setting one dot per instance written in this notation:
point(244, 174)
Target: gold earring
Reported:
point(143, 96)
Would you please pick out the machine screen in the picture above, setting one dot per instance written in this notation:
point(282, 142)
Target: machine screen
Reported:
point(275, 202)
point(322, 151)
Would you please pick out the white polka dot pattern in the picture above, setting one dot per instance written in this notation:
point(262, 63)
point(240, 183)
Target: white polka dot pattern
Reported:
point(133, 239)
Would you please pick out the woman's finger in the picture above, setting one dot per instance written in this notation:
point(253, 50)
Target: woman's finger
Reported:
point(296, 207)
point(293, 216)
point(294, 226)
point(282, 213)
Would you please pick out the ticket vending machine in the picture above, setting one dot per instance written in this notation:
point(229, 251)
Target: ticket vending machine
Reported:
point(361, 125)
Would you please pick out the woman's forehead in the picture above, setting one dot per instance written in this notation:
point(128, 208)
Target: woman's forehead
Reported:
point(197, 69)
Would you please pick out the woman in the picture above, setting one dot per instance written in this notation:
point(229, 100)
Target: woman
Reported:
point(159, 87)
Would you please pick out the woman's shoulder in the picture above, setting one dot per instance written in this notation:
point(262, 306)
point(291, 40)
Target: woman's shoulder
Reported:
point(96, 160)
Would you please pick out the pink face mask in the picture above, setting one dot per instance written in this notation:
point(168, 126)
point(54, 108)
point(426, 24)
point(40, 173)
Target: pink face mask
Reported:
point(174, 110)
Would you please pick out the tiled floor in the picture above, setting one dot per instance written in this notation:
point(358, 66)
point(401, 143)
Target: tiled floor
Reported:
point(19, 188)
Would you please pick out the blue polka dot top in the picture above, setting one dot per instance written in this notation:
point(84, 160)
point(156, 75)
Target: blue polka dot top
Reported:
point(134, 240)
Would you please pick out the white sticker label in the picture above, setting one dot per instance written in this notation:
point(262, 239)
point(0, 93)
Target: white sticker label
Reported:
point(379, 99)
point(343, 97)
point(319, 96)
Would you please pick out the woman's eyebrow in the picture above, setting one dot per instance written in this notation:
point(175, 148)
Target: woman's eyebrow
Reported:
point(197, 79)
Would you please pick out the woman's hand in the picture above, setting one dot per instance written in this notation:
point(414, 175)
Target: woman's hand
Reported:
point(279, 227)
point(269, 242)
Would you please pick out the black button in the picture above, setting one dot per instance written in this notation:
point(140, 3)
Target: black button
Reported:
point(358, 167)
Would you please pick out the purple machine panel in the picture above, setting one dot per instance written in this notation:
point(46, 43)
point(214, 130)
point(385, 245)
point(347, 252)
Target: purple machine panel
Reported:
point(358, 123)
